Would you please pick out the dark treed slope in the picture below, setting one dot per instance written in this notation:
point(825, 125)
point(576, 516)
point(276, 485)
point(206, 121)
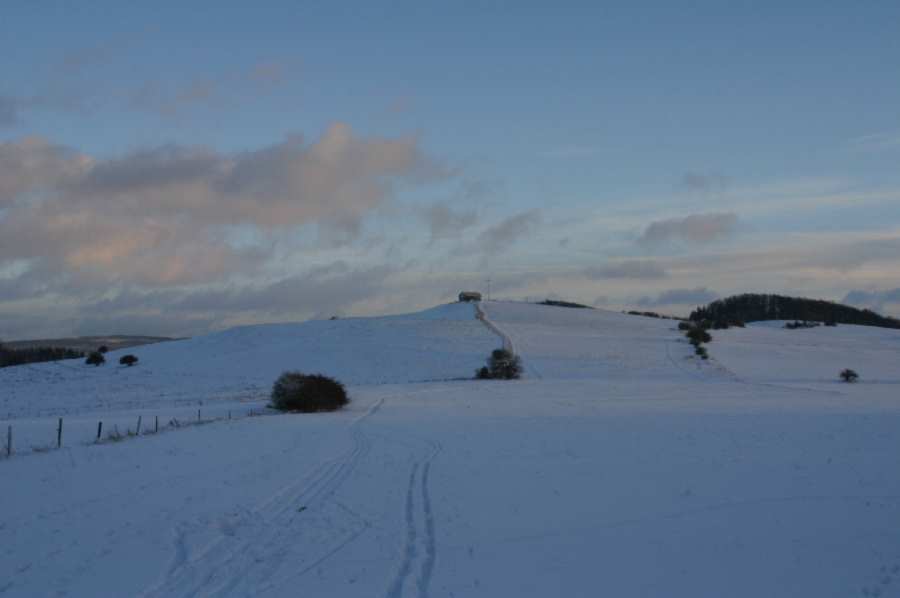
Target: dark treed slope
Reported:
point(10, 357)
point(756, 307)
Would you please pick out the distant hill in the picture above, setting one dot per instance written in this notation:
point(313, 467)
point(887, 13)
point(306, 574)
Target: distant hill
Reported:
point(37, 351)
point(87, 343)
point(758, 307)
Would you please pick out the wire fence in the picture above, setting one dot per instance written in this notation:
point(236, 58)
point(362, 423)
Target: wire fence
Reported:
point(26, 437)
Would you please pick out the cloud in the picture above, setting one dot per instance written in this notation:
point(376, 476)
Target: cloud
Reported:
point(319, 292)
point(696, 228)
point(875, 300)
point(850, 256)
point(175, 215)
point(634, 269)
point(504, 234)
point(444, 222)
point(31, 164)
point(325, 289)
point(697, 296)
point(316, 293)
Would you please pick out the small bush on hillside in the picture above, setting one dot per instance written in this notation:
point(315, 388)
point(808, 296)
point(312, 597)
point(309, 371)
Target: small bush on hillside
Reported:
point(798, 324)
point(502, 365)
point(128, 360)
point(684, 326)
point(701, 352)
point(698, 336)
point(103, 349)
point(95, 358)
point(849, 375)
point(295, 391)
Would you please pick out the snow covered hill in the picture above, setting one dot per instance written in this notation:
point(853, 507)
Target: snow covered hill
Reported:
point(442, 343)
point(567, 343)
point(620, 466)
point(767, 352)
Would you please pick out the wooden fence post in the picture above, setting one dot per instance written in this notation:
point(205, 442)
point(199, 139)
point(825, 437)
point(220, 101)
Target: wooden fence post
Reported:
point(99, 430)
point(9, 441)
point(59, 434)
point(138, 426)
point(198, 415)
point(156, 429)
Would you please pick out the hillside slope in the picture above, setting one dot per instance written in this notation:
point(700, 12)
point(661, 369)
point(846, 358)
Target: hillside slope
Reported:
point(442, 343)
point(766, 352)
point(563, 343)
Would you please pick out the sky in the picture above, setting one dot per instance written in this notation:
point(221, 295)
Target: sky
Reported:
point(177, 168)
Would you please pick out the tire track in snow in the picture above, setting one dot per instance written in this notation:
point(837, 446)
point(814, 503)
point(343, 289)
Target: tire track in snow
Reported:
point(221, 565)
point(430, 538)
point(420, 544)
point(409, 550)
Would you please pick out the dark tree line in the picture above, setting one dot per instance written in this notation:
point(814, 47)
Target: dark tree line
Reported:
point(756, 307)
point(557, 303)
point(10, 357)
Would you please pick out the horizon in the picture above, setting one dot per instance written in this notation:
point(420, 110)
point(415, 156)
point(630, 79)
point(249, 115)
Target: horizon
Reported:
point(172, 170)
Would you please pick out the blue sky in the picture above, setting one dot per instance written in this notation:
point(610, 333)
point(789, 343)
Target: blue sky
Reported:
point(535, 144)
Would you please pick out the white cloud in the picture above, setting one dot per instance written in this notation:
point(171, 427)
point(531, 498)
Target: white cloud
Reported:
point(169, 215)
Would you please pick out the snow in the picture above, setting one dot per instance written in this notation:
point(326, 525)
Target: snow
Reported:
point(620, 466)
point(813, 357)
point(242, 363)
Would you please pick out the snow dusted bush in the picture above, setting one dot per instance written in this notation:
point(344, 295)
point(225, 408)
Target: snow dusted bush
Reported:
point(95, 358)
point(128, 360)
point(849, 375)
point(295, 391)
point(502, 365)
point(698, 336)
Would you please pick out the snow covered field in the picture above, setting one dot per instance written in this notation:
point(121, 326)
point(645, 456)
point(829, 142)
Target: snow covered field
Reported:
point(620, 466)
